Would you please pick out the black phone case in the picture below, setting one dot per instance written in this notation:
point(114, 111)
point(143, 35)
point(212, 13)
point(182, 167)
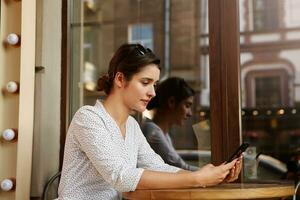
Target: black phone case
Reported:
point(238, 152)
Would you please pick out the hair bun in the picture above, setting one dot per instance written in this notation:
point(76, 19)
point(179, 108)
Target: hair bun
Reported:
point(102, 83)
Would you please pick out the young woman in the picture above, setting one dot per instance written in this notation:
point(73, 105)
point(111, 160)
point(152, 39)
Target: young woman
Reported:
point(106, 152)
point(173, 106)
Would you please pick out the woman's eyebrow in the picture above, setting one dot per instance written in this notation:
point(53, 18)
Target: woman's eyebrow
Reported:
point(189, 103)
point(148, 79)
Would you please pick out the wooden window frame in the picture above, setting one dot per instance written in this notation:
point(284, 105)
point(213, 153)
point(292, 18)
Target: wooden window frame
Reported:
point(224, 58)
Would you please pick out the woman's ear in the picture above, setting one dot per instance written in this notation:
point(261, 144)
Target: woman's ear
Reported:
point(171, 102)
point(120, 79)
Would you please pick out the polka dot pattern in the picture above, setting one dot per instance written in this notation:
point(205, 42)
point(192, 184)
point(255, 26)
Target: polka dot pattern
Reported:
point(99, 163)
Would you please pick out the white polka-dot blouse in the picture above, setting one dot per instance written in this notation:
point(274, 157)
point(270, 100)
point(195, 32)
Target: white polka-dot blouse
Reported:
point(99, 163)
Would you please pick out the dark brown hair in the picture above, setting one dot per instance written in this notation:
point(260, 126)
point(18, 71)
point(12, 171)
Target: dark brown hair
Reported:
point(172, 87)
point(129, 59)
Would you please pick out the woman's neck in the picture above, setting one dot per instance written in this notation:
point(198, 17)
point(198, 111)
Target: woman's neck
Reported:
point(116, 109)
point(162, 121)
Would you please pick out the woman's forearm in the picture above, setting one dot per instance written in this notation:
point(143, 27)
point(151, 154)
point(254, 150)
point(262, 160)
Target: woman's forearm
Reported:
point(164, 180)
point(208, 175)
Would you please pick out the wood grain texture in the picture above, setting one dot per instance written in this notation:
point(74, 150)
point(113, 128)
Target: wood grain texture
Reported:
point(225, 191)
point(26, 101)
point(224, 59)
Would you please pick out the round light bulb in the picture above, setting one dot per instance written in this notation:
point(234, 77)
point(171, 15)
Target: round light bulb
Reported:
point(8, 134)
point(12, 39)
point(7, 185)
point(12, 87)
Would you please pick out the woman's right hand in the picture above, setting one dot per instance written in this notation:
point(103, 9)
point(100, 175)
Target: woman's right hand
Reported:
point(210, 175)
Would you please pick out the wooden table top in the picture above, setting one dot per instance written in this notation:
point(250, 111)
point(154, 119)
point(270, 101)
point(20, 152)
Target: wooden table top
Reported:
point(223, 191)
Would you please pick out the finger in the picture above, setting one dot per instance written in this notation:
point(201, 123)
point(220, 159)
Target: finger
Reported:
point(241, 158)
point(237, 164)
point(230, 165)
point(238, 167)
point(233, 173)
point(237, 172)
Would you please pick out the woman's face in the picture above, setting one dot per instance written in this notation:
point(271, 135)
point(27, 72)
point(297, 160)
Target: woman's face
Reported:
point(141, 88)
point(183, 111)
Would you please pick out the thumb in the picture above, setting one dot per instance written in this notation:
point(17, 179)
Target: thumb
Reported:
point(231, 164)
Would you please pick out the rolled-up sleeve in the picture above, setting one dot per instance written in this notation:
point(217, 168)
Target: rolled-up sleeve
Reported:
point(96, 142)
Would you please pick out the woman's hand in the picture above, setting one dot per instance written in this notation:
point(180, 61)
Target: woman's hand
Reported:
point(235, 171)
point(210, 175)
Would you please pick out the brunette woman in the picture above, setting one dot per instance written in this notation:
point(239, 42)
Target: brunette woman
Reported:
point(106, 152)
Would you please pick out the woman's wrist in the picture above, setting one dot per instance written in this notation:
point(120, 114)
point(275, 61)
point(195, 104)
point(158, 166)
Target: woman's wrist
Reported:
point(197, 181)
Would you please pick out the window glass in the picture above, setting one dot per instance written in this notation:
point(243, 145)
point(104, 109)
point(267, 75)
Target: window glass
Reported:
point(141, 33)
point(270, 92)
point(177, 31)
point(265, 15)
point(267, 91)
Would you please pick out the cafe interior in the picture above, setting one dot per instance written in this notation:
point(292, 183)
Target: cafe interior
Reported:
point(241, 57)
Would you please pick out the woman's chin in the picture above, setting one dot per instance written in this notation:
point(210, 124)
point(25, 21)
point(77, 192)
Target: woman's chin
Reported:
point(139, 109)
point(181, 123)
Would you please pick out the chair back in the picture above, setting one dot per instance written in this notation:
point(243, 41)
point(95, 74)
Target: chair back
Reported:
point(50, 189)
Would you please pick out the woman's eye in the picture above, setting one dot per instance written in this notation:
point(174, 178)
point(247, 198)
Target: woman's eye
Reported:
point(145, 82)
point(188, 105)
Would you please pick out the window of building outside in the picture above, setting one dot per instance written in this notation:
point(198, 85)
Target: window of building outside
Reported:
point(265, 15)
point(177, 31)
point(267, 91)
point(267, 88)
point(270, 93)
point(142, 34)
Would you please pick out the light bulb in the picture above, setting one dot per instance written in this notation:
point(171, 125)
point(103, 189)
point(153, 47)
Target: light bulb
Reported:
point(7, 185)
point(9, 134)
point(13, 39)
point(12, 87)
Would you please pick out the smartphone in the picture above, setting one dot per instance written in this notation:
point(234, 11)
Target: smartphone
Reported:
point(238, 152)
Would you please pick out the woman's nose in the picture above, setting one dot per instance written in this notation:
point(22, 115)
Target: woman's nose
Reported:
point(189, 113)
point(151, 92)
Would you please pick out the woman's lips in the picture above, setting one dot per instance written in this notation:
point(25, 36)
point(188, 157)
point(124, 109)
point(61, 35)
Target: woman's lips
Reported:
point(145, 101)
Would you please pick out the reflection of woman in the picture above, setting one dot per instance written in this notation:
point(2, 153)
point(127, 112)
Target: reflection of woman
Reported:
point(172, 104)
point(106, 152)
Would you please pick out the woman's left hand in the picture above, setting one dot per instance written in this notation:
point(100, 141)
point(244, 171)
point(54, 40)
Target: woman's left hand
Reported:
point(235, 171)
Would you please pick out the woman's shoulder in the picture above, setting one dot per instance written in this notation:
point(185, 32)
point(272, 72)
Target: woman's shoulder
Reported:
point(149, 127)
point(87, 117)
point(148, 123)
point(89, 114)
point(86, 110)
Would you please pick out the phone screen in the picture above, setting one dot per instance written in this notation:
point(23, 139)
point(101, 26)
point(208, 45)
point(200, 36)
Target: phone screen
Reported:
point(238, 152)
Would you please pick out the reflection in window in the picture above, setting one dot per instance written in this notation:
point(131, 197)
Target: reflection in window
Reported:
point(142, 34)
point(265, 15)
point(175, 30)
point(270, 95)
point(267, 91)
point(292, 15)
point(267, 88)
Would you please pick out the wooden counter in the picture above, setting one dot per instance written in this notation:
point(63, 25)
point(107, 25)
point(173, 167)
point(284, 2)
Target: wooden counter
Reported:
point(224, 191)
